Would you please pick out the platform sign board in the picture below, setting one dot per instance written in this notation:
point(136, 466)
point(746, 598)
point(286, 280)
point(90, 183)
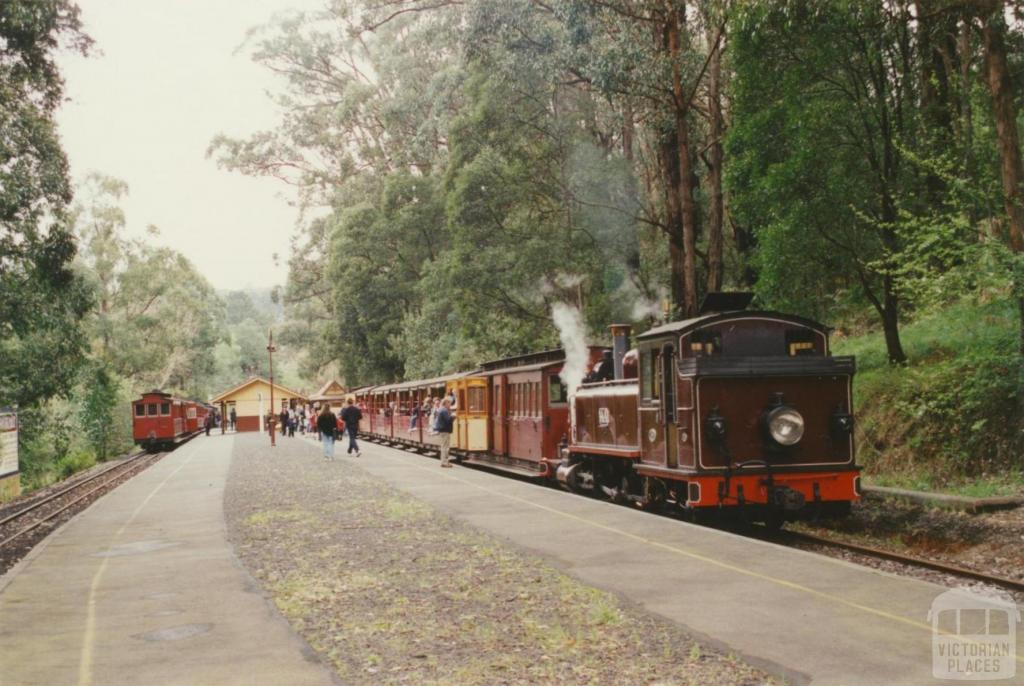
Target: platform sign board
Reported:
point(8, 442)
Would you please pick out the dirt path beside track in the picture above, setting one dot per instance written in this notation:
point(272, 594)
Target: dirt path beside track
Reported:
point(389, 591)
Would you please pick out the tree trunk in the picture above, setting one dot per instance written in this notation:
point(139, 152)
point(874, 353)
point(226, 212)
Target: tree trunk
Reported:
point(891, 323)
point(715, 157)
point(675, 25)
point(1005, 113)
point(669, 162)
point(628, 132)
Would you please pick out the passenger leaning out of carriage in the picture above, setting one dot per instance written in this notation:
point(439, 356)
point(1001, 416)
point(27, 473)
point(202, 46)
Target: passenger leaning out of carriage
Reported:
point(414, 416)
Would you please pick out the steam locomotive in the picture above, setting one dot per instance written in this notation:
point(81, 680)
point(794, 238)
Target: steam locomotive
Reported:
point(734, 410)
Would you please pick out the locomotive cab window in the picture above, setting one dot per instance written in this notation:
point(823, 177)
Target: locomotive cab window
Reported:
point(650, 383)
point(799, 342)
point(165, 409)
point(705, 343)
point(151, 409)
point(140, 410)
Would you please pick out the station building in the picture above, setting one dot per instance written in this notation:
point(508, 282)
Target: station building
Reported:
point(251, 402)
point(332, 393)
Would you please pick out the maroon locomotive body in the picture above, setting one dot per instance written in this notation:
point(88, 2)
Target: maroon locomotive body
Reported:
point(740, 410)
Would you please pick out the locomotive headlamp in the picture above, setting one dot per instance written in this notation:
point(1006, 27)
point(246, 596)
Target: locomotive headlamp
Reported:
point(715, 425)
point(785, 425)
point(842, 421)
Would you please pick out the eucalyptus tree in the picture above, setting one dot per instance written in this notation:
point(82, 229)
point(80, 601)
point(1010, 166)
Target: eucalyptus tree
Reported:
point(156, 318)
point(826, 145)
point(367, 99)
point(41, 299)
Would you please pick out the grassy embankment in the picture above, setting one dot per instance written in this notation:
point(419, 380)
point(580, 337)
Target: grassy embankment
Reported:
point(949, 419)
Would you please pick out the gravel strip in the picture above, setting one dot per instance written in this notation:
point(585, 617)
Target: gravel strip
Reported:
point(389, 591)
point(990, 543)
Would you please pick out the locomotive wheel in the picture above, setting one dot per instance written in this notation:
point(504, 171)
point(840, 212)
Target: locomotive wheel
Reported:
point(655, 494)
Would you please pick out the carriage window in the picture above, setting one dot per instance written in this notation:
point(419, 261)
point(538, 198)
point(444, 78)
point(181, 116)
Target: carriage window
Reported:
point(536, 398)
point(476, 399)
point(497, 399)
point(165, 409)
point(151, 409)
point(556, 390)
point(140, 410)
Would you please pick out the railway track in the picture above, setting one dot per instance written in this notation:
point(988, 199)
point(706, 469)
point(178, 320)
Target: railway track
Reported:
point(798, 537)
point(21, 530)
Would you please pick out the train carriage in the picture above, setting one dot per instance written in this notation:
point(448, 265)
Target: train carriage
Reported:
point(160, 420)
point(527, 406)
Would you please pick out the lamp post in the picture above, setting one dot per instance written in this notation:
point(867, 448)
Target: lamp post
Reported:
point(273, 412)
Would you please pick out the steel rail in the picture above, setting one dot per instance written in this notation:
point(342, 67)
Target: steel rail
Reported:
point(77, 484)
point(126, 466)
point(910, 560)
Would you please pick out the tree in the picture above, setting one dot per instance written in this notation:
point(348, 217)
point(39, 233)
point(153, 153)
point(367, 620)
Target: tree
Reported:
point(41, 299)
point(824, 146)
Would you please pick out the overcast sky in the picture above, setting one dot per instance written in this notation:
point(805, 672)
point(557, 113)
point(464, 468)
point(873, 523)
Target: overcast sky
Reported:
point(164, 79)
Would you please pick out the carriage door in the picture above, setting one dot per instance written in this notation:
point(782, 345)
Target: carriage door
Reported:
point(499, 414)
point(668, 375)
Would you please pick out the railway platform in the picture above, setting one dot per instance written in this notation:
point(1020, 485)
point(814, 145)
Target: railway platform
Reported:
point(143, 588)
point(805, 617)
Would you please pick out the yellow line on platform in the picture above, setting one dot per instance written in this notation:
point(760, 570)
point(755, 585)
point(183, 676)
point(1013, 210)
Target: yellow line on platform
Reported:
point(89, 636)
point(697, 556)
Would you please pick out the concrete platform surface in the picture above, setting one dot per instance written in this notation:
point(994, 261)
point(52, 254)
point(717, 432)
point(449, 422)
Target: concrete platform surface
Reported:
point(806, 617)
point(143, 588)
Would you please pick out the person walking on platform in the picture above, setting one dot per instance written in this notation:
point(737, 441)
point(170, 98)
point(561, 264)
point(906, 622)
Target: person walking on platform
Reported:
point(209, 423)
point(351, 416)
point(283, 418)
point(233, 416)
point(445, 420)
point(327, 424)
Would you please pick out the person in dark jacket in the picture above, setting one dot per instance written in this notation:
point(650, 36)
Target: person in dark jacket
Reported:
point(351, 416)
point(445, 420)
point(327, 424)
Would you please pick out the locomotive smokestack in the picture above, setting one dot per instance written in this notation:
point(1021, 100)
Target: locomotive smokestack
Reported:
point(620, 345)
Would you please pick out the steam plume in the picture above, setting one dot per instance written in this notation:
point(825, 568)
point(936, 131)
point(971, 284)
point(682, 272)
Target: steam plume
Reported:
point(573, 333)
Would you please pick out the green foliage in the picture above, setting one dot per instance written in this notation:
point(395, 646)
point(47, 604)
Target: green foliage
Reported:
point(73, 462)
point(41, 299)
point(99, 400)
point(951, 413)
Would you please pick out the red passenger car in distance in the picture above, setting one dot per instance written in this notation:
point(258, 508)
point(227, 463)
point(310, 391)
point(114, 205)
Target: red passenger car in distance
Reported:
point(161, 421)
